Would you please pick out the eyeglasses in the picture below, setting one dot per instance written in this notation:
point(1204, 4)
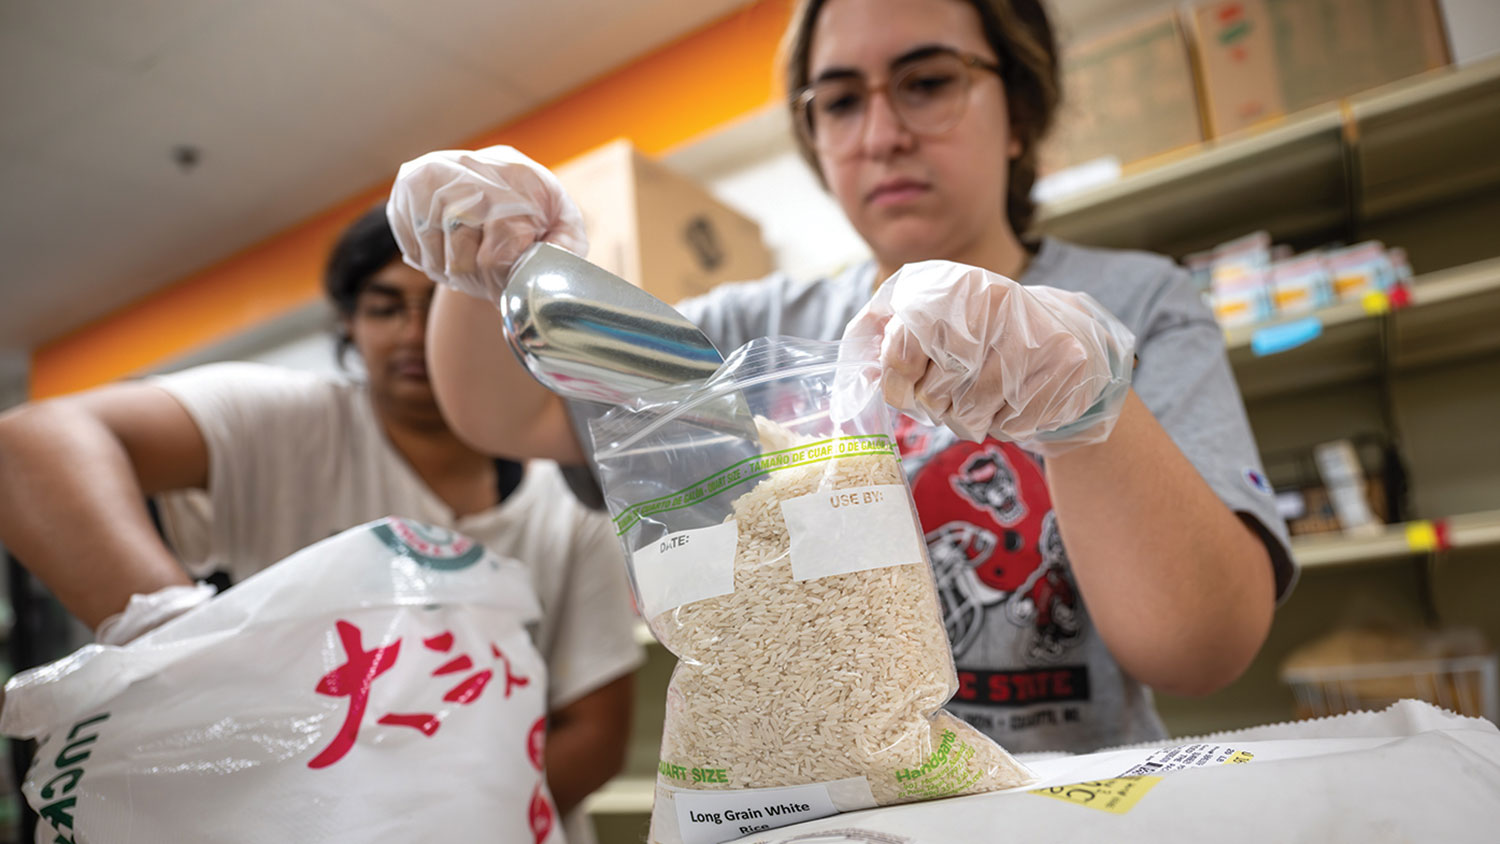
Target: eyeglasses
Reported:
point(928, 94)
point(386, 311)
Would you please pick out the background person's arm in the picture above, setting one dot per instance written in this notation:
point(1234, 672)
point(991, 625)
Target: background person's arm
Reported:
point(586, 742)
point(74, 476)
point(487, 397)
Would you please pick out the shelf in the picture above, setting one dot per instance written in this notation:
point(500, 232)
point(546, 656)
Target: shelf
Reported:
point(1428, 138)
point(622, 796)
point(1288, 180)
point(1452, 314)
point(1322, 171)
point(1472, 530)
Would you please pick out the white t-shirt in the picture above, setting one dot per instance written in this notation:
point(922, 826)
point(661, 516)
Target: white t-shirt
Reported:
point(295, 457)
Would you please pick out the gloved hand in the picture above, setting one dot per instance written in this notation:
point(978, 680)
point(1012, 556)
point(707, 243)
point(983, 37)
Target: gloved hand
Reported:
point(464, 217)
point(146, 612)
point(967, 348)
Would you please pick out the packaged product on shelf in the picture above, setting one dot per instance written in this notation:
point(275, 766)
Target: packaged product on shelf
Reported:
point(377, 686)
point(1252, 250)
point(1360, 269)
point(786, 570)
point(1239, 276)
point(1344, 477)
point(1300, 284)
point(1240, 297)
point(1400, 263)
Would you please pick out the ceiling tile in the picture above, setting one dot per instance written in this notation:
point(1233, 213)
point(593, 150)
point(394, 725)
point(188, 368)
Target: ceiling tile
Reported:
point(547, 48)
point(107, 33)
point(41, 87)
point(84, 244)
point(295, 106)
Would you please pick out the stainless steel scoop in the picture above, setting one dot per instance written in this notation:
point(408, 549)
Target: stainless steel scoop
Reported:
point(585, 333)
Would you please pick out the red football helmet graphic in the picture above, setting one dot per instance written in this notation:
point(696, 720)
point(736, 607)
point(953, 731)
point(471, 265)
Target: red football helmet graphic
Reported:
point(993, 542)
point(987, 479)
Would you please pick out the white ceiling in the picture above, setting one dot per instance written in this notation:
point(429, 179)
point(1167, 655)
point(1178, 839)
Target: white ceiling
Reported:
point(295, 105)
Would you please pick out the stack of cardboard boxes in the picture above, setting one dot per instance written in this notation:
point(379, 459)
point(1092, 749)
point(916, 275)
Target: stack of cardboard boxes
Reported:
point(1173, 80)
point(658, 229)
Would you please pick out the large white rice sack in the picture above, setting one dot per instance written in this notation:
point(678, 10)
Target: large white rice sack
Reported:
point(377, 686)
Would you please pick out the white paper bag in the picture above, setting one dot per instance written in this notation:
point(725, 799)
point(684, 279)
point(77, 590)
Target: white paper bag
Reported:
point(1410, 773)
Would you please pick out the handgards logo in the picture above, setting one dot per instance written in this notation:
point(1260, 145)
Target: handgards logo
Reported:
point(433, 547)
point(59, 790)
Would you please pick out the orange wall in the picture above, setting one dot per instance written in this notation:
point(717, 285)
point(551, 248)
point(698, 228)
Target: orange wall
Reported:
point(701, 81)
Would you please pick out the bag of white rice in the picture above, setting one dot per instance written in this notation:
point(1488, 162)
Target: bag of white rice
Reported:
point(790, 579)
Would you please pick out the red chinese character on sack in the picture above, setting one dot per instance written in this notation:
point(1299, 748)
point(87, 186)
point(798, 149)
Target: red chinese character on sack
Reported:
point(353, 680)
point(536, 741)
point(540, 814)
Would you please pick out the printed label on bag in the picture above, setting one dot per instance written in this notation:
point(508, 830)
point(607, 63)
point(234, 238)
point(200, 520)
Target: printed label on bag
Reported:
point(1116, 796)
point(709, 817)
point(839, 531)
point(744, 471)
point(1188, 756)
point(945, 772)
point(686, 566)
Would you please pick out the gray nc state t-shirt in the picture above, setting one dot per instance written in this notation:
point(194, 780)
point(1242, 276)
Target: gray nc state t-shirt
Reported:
point(1033, 672)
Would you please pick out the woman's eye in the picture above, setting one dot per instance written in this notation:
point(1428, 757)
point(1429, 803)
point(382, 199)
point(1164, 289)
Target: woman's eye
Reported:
point(929, 85)
point(381, 311)
point(839, 105)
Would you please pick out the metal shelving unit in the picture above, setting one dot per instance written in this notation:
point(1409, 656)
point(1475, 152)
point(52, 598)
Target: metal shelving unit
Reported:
point(1471, 530)
point(1452, 314)
point(1322, 172)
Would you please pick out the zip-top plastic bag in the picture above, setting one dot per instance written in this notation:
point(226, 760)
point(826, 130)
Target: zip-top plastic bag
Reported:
point(377, 686)
point(788, 574)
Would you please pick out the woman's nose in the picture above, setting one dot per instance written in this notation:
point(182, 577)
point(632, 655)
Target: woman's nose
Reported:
point(883, 130)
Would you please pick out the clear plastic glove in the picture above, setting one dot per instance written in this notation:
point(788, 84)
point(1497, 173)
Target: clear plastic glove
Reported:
point(463, 217)
point(146, 612)
point(967, 348)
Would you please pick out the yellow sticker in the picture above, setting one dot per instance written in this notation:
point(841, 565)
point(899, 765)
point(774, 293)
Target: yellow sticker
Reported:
point(1421, 536)
point(1376, 302)
point(1117, 796)
point(1240, 756)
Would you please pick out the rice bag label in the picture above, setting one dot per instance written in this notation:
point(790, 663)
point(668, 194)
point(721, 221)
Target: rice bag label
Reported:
point(1188, 756)
point(943, 774)
point(709, 817)
point(1116, 796)
point(686, 566)
point(841, 531)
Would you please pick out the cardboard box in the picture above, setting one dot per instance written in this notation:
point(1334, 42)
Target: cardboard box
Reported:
point(1262, 59)
point(1130, 94)
point(658, 229)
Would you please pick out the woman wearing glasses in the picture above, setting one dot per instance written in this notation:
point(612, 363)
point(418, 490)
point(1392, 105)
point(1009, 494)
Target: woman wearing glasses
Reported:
point(1080, 458)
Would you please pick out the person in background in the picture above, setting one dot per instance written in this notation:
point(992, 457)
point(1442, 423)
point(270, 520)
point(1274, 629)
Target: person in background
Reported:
point(1077, 450)
point(248, 463)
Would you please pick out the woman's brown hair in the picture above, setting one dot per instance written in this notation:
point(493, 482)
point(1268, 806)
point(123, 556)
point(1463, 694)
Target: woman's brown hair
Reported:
point(1021, 36)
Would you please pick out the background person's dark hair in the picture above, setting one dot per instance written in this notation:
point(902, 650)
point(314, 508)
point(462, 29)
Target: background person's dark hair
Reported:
point(364, 248)
point(1022, 38)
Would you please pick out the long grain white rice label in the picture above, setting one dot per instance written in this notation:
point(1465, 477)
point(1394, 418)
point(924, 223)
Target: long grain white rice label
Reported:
point(841, 531)
point(686, 566)
point(710, 817)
